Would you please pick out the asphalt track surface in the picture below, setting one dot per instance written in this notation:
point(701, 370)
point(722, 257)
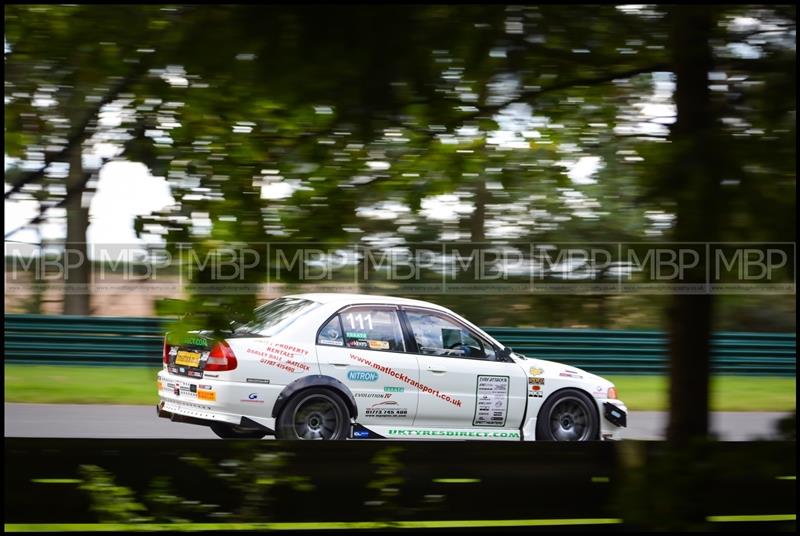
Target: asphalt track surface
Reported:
point(132, 422)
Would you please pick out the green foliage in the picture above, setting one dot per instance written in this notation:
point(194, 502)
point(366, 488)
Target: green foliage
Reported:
point(352, 108)
point(110, 503)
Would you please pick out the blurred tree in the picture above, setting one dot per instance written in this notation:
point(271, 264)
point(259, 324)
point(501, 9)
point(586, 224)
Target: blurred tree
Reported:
point(64, 69)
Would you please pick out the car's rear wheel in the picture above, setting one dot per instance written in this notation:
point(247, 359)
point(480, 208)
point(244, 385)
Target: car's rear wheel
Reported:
point(568, 415)
point(314, 414)
point(230, 431)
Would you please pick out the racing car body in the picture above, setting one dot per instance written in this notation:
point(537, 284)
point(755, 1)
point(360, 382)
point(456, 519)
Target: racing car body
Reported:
point(347, 366)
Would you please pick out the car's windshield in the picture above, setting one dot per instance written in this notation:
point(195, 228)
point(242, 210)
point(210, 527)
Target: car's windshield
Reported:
point(273, 316)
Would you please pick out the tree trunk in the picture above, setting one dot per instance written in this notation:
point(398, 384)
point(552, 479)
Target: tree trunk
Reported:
point(77, 266)
point(696, 187)
point(477, 222)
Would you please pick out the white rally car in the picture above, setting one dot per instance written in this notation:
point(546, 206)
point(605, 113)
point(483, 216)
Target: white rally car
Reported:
point(346, 366)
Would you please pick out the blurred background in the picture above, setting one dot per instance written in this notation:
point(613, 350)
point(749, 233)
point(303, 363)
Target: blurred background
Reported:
point(145, 145)
point(152, 126)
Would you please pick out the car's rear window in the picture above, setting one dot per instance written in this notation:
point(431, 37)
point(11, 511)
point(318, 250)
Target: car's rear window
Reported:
point(271, 317)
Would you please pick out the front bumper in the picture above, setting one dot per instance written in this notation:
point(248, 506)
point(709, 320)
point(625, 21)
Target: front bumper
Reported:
point(614, 417)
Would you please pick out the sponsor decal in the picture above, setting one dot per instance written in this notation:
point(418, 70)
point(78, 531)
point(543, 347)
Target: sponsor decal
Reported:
point(535, 394)
point(536, 387)
point(335, 342)
point(283, 356)
point(357, 344)
point(372, 395)
point(195, 373)
point(536, 381)
point(273, 362)
point(536, 371)
point(252, 398)
point(491, 394)
point(362, 376)
point(212, 375)
point(378, 345)
point(390, 389)
point(360, 433)
point(191, 341)
point(256, 380)
point(385, 409)
point(206, 395)
point(568, 374)
point(173, 351)
point(206, 387)
point(455, 433)
point(355, 335)
point(405, 379)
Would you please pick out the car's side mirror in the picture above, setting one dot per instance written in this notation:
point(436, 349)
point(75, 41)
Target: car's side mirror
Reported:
point(505, 354)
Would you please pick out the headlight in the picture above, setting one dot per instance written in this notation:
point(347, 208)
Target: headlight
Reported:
point(612, 393)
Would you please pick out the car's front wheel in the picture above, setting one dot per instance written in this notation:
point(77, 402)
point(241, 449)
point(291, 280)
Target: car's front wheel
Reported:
point(568, 415)
point(314, 414)
point(230, 431)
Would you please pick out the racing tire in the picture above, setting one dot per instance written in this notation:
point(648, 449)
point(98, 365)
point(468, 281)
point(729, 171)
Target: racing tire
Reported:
point(568, 415)
point(315, 413)
point(230, 431)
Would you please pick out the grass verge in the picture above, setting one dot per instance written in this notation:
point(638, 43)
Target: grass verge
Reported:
point(135, 385)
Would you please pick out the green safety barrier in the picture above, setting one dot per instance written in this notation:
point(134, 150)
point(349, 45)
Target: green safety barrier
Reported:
point(88, 340)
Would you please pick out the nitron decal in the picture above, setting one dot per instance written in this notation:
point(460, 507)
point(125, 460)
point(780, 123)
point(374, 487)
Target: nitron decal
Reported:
point(362, 376)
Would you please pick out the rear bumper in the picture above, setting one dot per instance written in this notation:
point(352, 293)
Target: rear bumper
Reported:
point(189, 419)
point(225, 401)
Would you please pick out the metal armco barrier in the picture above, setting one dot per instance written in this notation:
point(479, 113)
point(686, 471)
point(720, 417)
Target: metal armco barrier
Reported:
point(352, 484)
point(79, 340)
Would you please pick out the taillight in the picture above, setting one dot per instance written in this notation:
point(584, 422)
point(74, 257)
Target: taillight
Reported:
point(165, 356)
point(221, 358)
point(612, 393)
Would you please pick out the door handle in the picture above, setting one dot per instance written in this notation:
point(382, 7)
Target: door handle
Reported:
point(436, 371)
point(340, 364)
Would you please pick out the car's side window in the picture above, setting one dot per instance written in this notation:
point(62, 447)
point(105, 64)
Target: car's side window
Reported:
point(331, 334)
point(439, 335)
point(372, 328)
